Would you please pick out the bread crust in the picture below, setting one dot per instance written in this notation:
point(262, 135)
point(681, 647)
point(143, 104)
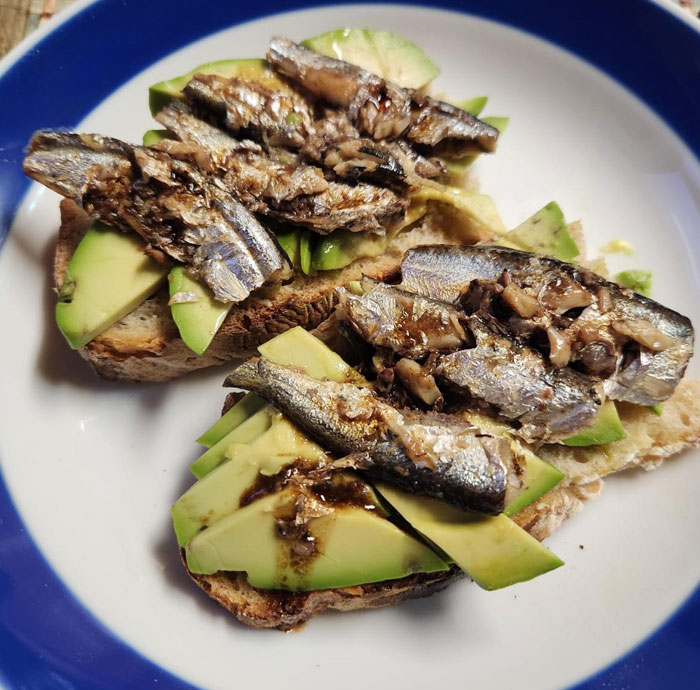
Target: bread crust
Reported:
point(145, 344)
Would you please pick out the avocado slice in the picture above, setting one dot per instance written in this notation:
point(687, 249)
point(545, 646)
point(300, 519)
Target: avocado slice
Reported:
point(290, 240)
point(219, 492)
point(493, 551)
point(246, 407)
point(606, 428)
point(108, 276)
point(341, 247)
point(197, 320)
point(355, 546)
point(254, 69)
point(472, 105)
point(297, 347)
point(245, 432)
point(546, 233)
point(540, 477)
point(638, 280)
point(153, 136)
point(387, 55)
point(477, 207)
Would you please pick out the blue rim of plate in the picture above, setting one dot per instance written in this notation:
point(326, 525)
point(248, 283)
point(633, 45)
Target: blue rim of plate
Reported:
point(47, 638)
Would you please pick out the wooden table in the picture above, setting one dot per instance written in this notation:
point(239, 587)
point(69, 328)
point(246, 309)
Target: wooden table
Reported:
point(18, 18)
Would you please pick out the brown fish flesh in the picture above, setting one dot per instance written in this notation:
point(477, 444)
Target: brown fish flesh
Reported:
point(279, 184)
point(467, 353)
point(427, 453)
point(172, 204)
point(380, 109)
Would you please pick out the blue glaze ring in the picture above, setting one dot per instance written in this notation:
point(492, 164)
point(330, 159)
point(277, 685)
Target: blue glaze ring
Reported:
point(48, 639)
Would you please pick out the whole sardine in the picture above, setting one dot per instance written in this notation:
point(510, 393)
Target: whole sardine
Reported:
point(517, 381)
point(284, 119)
point(280, 185)
point(636, 345)
point(172, 204)
point(427, 453)
point(380, 109)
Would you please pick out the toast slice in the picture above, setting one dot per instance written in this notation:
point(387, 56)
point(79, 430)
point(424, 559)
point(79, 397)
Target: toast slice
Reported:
point(145, 345)
point(650, 439)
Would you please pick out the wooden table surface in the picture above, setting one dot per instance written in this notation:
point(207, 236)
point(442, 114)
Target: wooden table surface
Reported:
point(18, 18)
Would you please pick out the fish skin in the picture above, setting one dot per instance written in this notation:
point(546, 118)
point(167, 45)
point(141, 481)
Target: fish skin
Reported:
point(285, 188)
point(285, 119)
point(169, 202)
point(431, 454)
point(445, 272)
point(408, 324)
point(380, 109)
point(549, 403)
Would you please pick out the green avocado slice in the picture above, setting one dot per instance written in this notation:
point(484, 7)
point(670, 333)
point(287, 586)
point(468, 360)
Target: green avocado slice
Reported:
point(245, 432)
point(254, 68)
point(493, 551)
point(387, 55)
point(545, 233)
point(153, 136)
point(354, 546)
point(108, 276)
point(197, 320)
point(246, 407)
point(638, 280)
point(607, 428)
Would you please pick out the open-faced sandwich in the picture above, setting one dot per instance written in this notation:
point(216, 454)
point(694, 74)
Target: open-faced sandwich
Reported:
point(273, 183)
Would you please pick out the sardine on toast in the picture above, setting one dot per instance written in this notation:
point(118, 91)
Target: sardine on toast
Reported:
point(170, 202)
point(427, 453)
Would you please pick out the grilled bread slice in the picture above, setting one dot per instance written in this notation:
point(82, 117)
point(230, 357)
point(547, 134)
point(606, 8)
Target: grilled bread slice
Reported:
point(145, 345)
point(650, 439)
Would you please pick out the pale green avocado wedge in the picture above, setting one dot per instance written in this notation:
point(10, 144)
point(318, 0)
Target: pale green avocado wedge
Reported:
point(341, 247)
point(388, 55)
point(198, 320)
point(492, 550)
point(290, 241)
point(545, 233)
point(472, 105)
point(638, 280)
point(108, 276)
point(153, 136)
point(297, 347)
point(245, 432)
point(540, 477)
point(246, 407)
point(607, 428)
point(355, 547)
point(254, 68)
point(219, 492)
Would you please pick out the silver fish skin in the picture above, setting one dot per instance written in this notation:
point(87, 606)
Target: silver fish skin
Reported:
point(426, 453)
point(637, 346)
point(169, 202)
point(280, 185)
point(285, 119)
point(408, 324)
point(549, 404)
point(380, 109)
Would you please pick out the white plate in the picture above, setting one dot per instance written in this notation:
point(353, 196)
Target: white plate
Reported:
point(94, 467)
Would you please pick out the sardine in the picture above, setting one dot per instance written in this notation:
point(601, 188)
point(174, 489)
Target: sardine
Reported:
point(427, 453)
point(169, 202)
point(638, 347)
point(280, 185)
point(284, 119)
point(408, 324)
point(380, 109)
point(467, 354)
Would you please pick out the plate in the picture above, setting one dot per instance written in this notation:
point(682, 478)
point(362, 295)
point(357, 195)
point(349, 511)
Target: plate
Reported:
point(604, 104)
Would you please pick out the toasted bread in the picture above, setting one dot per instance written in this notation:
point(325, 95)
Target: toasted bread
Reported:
point(145, 345)
point(650, 439)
